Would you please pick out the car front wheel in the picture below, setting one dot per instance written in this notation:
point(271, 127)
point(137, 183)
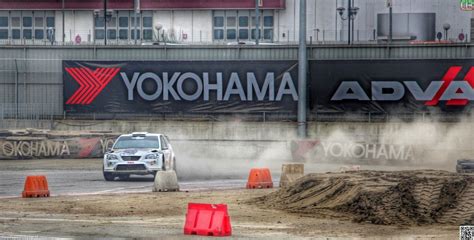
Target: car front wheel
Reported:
point(108, 176)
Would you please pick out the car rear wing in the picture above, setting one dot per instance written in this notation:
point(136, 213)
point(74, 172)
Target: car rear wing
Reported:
point(139, 134)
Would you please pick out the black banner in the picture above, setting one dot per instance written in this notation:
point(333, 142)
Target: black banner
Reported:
point(180, 86)
point(392, 86)
point(335, 86)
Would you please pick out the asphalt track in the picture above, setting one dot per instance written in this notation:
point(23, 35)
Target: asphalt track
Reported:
point(82, 182)
point(84, 176)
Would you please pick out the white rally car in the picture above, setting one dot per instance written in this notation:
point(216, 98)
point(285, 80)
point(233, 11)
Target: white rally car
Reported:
point(138, 153)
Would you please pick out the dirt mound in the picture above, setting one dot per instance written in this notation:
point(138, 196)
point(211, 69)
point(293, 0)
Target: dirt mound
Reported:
point(405, 197)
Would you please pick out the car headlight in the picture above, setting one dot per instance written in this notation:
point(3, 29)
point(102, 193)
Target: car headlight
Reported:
point(151, 156)
point(111, 157)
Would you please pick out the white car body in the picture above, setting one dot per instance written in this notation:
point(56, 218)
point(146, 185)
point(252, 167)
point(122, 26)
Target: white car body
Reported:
point(138, 153)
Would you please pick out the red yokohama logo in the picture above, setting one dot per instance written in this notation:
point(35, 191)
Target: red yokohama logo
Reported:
point(91, 83)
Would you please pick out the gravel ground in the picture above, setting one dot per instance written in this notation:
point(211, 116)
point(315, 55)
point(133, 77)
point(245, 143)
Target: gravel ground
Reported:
point(84, 206)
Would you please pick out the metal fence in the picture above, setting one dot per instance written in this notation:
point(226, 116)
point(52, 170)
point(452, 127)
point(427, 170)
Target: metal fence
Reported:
point(31, 85)
point(237, 52)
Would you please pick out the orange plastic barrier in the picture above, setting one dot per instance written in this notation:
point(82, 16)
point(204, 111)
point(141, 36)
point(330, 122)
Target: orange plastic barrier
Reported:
point(207, 220)
point(35, 186)
point(260, 178)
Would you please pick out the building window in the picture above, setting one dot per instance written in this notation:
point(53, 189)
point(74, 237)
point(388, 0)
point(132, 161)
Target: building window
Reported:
point(243, 34)
point(231, 28)
point(39, 34)
point(232, 25)
point(112, 28)
point(268, 27)
point(16, 34)
point(3, 34)
point(39, 28)
point(231, 34)
point(219, 34)
point(147, 34)
point(50, 28)
point(25, 24)
point(99, 34)
point(243, 28)
point(3, 21)
point(218, 22)
point(111, 34)
point(50, 22)
point(133, 27)
point(99, 25)
point(3, 27)
point(147, 28)
point(121, 26)
point(27, 34)
point(123, 34)
point(219, 28)
point(16, 28)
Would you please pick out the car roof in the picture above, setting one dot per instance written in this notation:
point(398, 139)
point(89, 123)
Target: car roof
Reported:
point(142, 134)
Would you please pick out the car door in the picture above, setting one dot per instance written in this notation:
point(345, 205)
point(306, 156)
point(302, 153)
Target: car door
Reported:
point(166, 152)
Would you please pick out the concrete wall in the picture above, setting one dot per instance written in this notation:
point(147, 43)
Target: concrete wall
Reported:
point(249, 140)
point(209, 149)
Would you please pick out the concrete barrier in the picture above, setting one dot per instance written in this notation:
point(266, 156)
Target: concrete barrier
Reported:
point(291, 172)
point(37, 144)
point(166, 181)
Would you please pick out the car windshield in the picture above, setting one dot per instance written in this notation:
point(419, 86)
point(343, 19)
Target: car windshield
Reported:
point(137, 142)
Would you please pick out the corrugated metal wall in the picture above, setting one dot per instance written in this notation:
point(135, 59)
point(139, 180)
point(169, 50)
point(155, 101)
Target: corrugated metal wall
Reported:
point(31, 76)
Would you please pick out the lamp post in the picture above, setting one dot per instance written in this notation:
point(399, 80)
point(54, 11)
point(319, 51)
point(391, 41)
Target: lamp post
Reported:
point(302, 70)
point(107, 17)
point(446, 28)
point(390, 21)
point(257, 22)
point(105, 22)
point(350, 16)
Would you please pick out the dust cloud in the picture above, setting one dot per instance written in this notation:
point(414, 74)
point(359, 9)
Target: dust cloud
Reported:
point(229, 157)
point(207, 150)
point(427, 144)
point(421, 144)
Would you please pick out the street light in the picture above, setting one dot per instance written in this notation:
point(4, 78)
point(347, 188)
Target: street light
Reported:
point(350, 16)
point(446, 28)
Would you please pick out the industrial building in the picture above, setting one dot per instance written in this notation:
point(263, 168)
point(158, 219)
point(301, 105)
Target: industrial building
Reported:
point(227, 21)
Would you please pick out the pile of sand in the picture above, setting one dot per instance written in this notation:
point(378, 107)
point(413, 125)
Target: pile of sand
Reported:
point(405, 197)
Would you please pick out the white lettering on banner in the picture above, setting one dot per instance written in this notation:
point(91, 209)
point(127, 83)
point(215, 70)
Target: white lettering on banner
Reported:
point(234, 80)
point(352, 90)
point(34, 148)
point(350, 150)
point(106, 144)
point(268, 86)
point(65, 150)
point(174, 87)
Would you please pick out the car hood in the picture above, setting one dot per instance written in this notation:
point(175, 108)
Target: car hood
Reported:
point(135, 151)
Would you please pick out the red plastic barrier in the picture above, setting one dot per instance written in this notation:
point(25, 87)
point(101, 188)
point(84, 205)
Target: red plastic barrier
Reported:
point(35, 186)
point(260, 178)
point(207, 220)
